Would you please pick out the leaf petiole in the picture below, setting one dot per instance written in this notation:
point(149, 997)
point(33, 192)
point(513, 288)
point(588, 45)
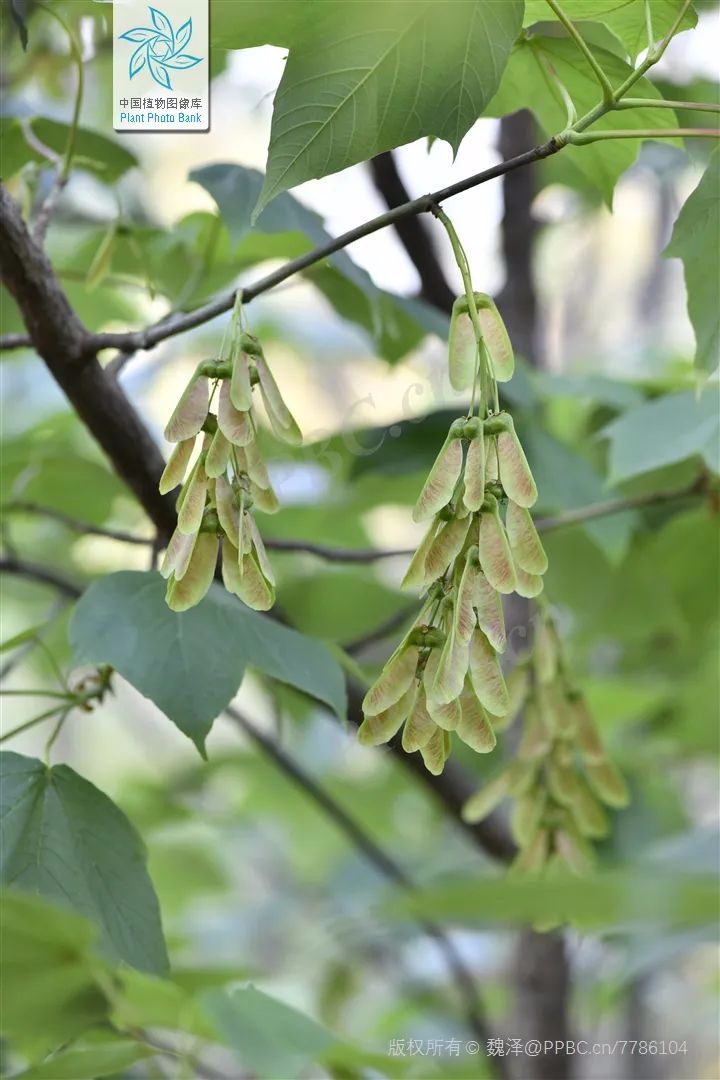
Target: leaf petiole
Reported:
point(605, 84)
point(585, 138)
point(31, 723)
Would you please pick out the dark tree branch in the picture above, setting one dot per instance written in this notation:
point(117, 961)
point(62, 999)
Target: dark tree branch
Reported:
point(542, 975)
point(334, 554)
point(83, 527)
point(383, 863)
point(518, 299)
point(66, 347)
point(15, 341)
point(381, 632)
point(44, 575)
point(179, 323)
point(452, 788)
point(413, 232)
point(542, 998)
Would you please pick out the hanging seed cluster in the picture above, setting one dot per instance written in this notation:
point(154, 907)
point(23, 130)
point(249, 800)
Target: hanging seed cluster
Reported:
point(227, 481)
point(480, 544)
point(560, 780)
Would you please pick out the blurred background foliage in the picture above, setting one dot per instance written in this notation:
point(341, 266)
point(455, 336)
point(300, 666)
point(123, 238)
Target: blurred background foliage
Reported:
point(255, 881)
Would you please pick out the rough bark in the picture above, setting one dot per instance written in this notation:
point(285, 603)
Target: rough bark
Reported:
point(64, 344)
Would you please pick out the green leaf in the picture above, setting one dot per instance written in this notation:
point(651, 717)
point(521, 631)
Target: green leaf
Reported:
point(339, 604)
point(35, 468)
point(101, 1056)
point(270, 1038)
point(695, 241)
point(528, 83)
point(236, 191)
point(366, 76)
point(662, 432)
point(625, 18)
point(566, 481)
point(48, 986)
point(397, 324)
point(104, 157)
point(64, 839)
point(191, 664)
point(145, 1001)
point(256, 23)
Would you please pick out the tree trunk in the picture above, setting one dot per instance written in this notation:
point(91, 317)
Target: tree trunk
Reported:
point(540, 972)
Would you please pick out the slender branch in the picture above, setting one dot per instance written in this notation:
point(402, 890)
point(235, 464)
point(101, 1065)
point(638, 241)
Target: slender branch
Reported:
point(38, 145)
point(36, 642)
point(31, 723)
point(664, 103)
point(44, 575)
point(75, 524)
point(585, 138)
point(387, 627)
point(354, 555)
point(333, 554)
point(605, 84)
point(653, 55)
point(63, 172)
point(543, 524)
point(619, 506)
point(382, 862)
point(15, 341)
point(178, 324)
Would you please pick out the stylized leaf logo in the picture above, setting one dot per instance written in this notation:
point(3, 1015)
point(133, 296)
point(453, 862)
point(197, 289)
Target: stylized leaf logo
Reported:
point(160, 49)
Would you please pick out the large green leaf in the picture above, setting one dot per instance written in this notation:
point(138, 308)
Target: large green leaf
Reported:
point(625, 18)
point(695, 241)
point(255, 22)
point(271, 1039)
point(528, 83)
point(368, 75)
point(662, 432)
point(48, 987)
point(64, 839)
point(93, 151)
point(191, 664)
point(236, 191)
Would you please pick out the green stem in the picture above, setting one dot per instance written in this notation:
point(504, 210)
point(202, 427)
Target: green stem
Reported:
point(654, 103)
point(30, 724)
point(653, 55)
point(605, 84)
point(649, 25)
point(577, 139)
point(463, 266)
point(605, 106)
point(56, 731)
point(570, 110)
point(76, 53)
point(38, 693)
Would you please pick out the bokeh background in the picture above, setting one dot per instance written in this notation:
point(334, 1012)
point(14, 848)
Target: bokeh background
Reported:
point(252, 877)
